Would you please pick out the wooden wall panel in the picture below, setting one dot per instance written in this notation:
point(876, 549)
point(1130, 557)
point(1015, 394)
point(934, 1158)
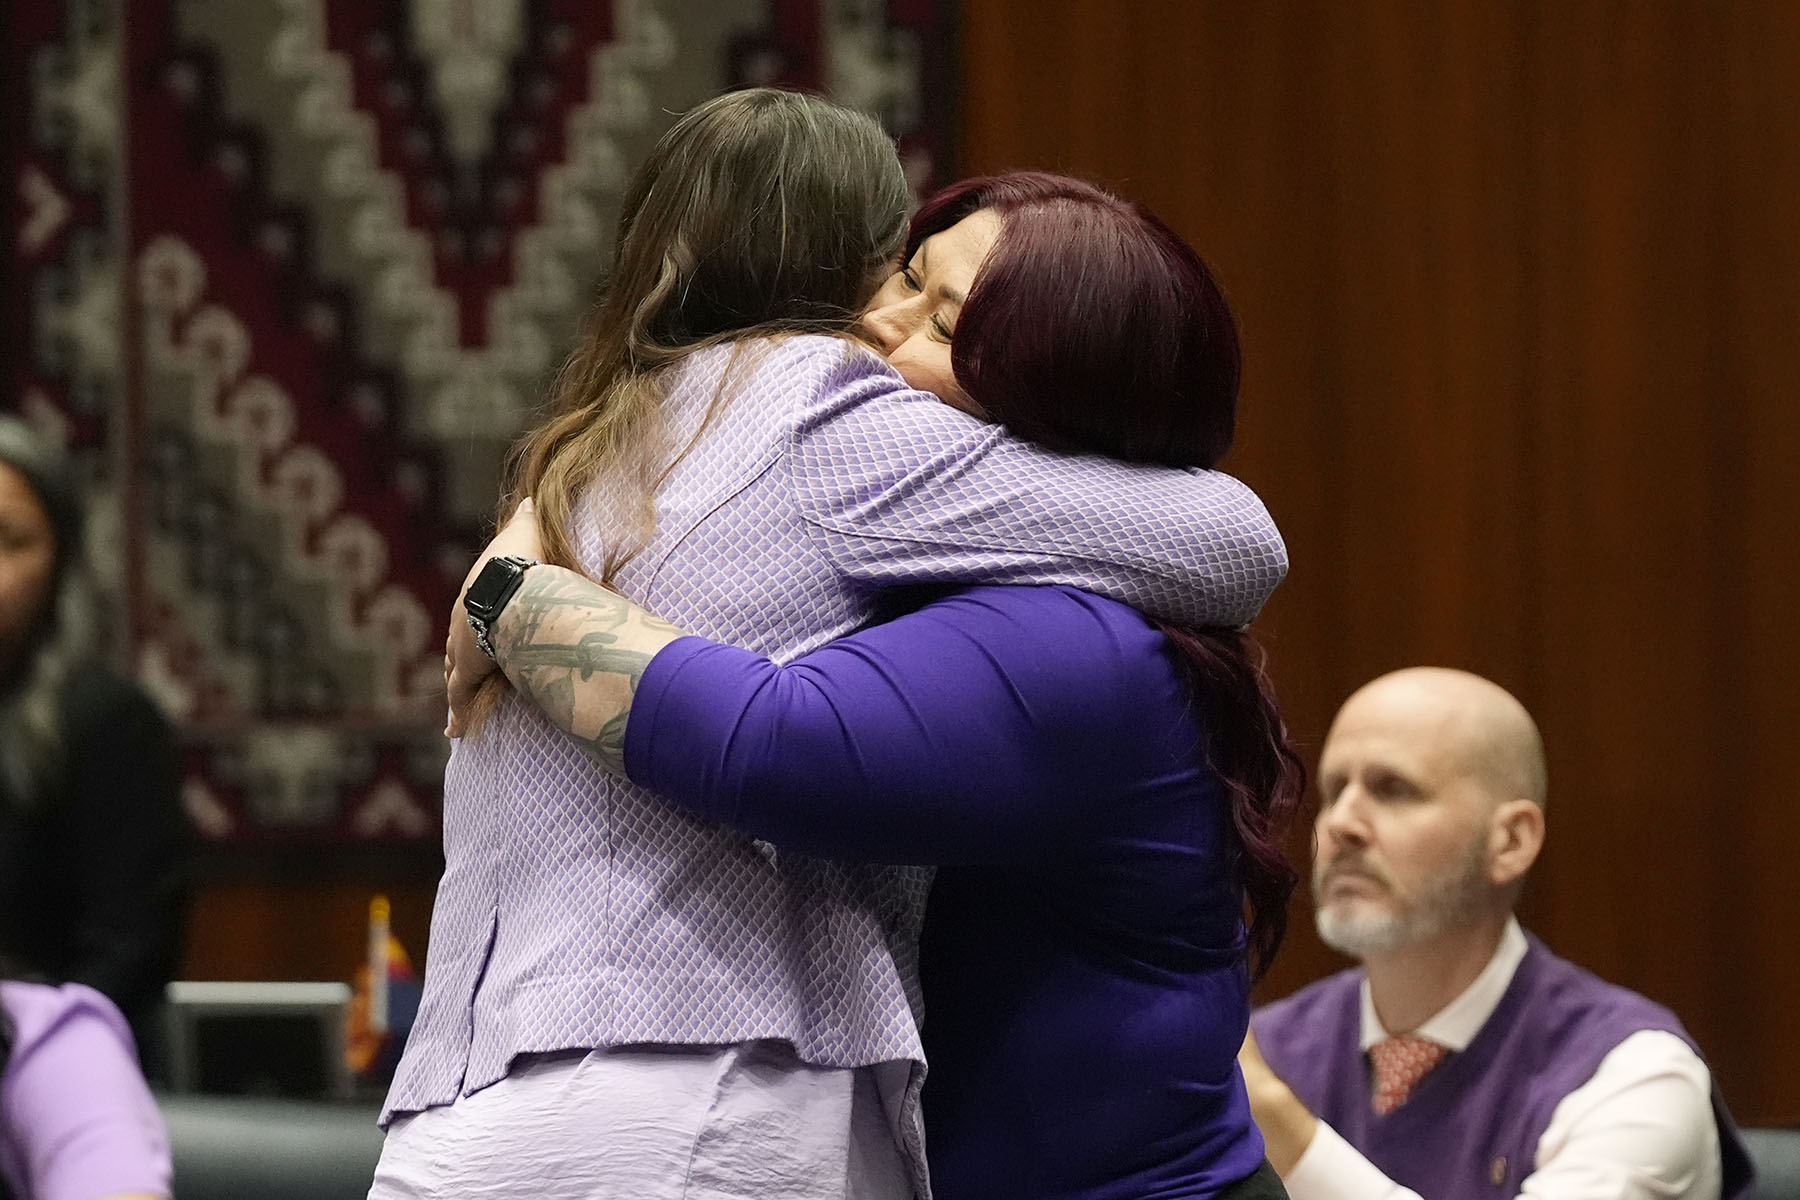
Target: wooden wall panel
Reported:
point(1759, 792)
point(259, 928)
point(1518, 284)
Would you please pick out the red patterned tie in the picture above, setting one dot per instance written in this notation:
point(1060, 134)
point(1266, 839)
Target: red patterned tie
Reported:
point(1400, 1062)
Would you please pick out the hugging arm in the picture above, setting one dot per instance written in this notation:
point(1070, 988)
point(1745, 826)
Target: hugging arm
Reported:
point(898, 488)
point(577, 650)
point(978, 729)
point(901, 488)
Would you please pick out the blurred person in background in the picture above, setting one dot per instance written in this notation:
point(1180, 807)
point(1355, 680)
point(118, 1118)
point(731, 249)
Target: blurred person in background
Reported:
point(77, 1121)
point(92, 837)
point(1462, 1058)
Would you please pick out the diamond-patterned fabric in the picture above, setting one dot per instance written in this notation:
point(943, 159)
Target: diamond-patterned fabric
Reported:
point(577, 910)
point(901, 492)
point(1399, 1063)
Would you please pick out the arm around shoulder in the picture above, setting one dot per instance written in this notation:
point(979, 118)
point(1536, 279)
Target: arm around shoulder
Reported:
point(901, 487)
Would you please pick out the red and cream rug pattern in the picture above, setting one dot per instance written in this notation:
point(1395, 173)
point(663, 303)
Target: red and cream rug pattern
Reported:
point(287, 278)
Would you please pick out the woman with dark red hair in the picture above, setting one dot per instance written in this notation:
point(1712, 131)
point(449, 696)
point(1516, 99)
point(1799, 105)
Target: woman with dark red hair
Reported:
point(1102, 793)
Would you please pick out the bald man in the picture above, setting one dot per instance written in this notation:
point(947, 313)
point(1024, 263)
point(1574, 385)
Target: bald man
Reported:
point(1462, 1058)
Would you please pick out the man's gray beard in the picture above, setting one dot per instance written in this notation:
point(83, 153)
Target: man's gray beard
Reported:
point(1452, 899)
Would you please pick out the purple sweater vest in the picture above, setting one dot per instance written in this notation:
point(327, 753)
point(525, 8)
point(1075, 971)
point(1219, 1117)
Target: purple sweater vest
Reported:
point(1472, 1126)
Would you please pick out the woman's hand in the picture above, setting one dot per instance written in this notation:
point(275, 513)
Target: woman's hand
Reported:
point(465, 666)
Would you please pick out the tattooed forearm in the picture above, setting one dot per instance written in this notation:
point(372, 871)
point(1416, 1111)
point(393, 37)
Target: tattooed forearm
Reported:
point(577, 651)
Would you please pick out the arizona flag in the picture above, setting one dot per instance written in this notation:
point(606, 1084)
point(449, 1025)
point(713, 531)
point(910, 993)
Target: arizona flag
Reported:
point(385, 1000)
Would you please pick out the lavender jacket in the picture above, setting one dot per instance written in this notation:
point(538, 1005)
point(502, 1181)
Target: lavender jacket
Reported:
point(577, 910)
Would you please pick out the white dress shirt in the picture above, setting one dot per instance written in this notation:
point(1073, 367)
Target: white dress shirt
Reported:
point(1641, 1128)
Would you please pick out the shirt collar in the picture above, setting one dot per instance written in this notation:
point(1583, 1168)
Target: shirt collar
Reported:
point(1457, 1023)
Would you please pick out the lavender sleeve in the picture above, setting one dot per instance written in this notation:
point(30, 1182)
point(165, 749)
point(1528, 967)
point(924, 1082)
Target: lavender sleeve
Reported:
point(978, 729)
point(78, 1119)
point(901, 488)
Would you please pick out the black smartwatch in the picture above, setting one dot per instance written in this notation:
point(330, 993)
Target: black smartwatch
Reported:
point(487, 597)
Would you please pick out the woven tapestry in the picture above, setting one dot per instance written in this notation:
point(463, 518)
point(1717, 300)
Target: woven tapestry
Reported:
point(287, 276)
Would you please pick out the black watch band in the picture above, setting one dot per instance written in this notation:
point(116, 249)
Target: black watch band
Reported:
point(487, 597)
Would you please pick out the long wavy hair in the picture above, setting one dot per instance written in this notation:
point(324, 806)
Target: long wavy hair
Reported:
point(1093, 327)
point(760, 213)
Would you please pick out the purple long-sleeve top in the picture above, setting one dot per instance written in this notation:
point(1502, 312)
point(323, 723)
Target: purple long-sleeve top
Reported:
point(1083, 968)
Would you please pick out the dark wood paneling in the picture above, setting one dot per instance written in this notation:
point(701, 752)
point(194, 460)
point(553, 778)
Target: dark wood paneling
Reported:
point(251, 928)
point(1518, 284)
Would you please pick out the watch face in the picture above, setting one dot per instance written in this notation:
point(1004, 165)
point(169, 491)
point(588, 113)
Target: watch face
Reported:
point(491, 586)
